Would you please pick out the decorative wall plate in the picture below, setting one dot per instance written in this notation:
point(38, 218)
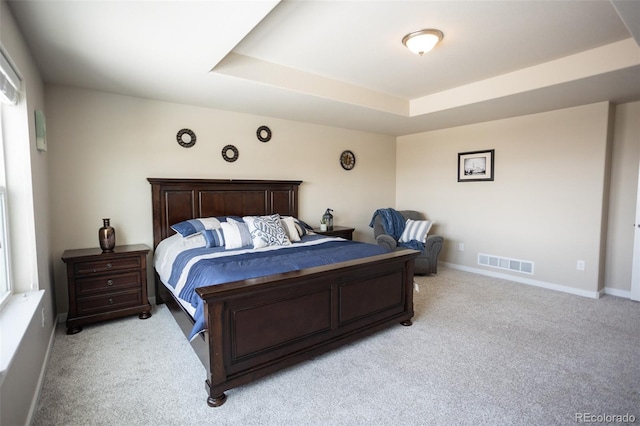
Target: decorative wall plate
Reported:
point(186, 138)
point(264, 134)
point(347, 160)
point(230, 153)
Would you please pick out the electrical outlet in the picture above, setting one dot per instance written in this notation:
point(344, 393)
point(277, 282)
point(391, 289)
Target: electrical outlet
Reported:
point(461, 246)
point(580, 265)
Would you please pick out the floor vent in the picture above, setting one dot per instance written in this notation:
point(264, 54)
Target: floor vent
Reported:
point(524, 266)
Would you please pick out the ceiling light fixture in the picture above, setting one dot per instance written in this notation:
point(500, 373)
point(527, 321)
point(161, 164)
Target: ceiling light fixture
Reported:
point(421, 42)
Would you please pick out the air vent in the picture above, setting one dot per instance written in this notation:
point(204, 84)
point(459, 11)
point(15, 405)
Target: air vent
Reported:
point(506, 263)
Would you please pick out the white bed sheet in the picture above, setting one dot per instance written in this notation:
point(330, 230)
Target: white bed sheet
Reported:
point(165, 254)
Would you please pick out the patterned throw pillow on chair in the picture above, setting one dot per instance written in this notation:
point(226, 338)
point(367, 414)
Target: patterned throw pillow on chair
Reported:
point(266, 231)
point(415, 230)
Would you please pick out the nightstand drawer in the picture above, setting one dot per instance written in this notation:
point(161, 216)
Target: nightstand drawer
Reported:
point(111, 283)
point(99, 266)
point(108, 302)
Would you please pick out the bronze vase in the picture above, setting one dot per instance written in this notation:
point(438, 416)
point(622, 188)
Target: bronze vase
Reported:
point(107, 237)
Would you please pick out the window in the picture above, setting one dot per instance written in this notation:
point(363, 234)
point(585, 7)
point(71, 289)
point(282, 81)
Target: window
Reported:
point(5, 283)
point(9, 81)
point(9, 97)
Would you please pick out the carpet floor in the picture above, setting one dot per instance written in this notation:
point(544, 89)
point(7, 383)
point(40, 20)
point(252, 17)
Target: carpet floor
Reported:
point(481, 351)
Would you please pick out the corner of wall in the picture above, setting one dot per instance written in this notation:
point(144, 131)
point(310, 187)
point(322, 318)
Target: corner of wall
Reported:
point(606, 193)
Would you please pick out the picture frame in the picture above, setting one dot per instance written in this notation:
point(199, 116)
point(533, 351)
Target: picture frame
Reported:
point(476, 166)
point(41, 130)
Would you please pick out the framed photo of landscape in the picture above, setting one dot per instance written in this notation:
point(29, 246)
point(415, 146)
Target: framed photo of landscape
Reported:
point(476, 166)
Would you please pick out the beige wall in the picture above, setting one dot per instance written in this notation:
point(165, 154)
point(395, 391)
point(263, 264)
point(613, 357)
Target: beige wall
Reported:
point(622, 201)
point(545, 204)
point(103, 147)
point(28, 202)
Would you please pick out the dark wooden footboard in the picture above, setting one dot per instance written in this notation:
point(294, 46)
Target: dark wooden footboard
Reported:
point(259, 326)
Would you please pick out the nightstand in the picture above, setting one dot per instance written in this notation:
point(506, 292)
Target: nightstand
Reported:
point(337, 231)
point(104, 286)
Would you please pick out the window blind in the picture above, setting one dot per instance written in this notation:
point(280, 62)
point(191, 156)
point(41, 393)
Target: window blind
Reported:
point(9, 81)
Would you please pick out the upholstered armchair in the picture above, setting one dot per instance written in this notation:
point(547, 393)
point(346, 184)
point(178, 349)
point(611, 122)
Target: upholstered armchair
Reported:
point(427, 262)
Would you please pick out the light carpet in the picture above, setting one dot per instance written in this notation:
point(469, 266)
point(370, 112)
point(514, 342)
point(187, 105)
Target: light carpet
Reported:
point(481, 351)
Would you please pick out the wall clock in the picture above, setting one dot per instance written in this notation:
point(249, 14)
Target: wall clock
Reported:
point(264, 134)
point(347, 160)
point(186, 138)
point(230, 153)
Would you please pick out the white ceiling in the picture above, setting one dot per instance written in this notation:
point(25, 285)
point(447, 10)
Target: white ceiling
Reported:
point(341, 63)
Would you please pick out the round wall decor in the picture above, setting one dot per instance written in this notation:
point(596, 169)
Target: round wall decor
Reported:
point(264, 134)
point(186, 138)
point(347, 160)
point(230, 153)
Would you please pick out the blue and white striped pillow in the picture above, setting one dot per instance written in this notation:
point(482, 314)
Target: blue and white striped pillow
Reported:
point(193, 226)
point(302, 227)
point(214, 237)
point(236, 234)
point(415, 230)
point(289, 225)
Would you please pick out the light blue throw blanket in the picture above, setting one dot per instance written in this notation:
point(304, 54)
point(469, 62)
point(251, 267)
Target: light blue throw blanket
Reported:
point(393, 224)
point(391, 220)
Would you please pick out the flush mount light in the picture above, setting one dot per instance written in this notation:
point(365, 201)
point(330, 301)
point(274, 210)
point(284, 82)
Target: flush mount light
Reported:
point(420, 42)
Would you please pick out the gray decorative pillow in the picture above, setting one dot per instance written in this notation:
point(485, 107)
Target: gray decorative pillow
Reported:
point(266, 231)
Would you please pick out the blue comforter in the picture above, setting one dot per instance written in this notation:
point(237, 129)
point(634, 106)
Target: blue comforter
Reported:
point(209, 266)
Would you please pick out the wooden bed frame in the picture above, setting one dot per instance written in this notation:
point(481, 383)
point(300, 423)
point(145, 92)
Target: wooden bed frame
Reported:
point(258, 326)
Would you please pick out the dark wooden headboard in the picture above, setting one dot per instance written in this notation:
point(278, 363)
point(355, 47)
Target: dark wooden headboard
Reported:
point(175, 200)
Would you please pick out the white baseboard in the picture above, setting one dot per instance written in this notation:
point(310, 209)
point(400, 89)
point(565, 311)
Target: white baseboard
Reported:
point(528, 281)
point(618, 293)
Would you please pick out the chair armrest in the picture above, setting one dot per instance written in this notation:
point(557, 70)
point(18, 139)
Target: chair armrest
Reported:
point(387, 242)
point(433, 244)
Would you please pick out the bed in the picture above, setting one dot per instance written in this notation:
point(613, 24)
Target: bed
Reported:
point(308, 311)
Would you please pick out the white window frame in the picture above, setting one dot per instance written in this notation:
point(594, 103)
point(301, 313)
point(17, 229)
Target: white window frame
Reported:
point(5, 271)
point(5, 281)
point(10, 85)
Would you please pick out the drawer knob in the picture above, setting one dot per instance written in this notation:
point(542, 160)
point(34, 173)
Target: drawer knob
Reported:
point(109, 282)
point(109, 266)
point(111, 301)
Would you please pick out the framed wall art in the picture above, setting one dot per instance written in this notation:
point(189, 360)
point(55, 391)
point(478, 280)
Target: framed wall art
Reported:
point(476, 166)
point(41, 131)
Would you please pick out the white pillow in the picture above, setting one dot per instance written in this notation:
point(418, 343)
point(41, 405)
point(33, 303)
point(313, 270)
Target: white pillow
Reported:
point(289, 225)
point(236, 234)
point(266, 231)
point(415, 230)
